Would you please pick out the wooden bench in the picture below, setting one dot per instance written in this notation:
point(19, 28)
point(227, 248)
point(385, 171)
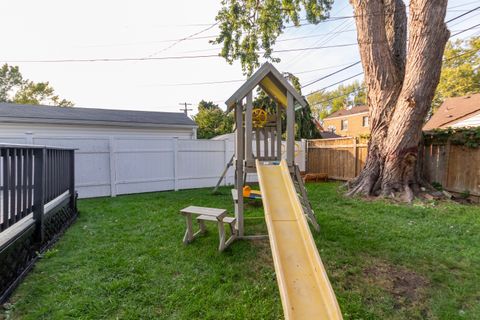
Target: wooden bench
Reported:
point(208, 214)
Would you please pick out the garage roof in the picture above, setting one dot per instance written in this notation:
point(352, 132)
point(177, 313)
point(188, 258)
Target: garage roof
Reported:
point(10, 112)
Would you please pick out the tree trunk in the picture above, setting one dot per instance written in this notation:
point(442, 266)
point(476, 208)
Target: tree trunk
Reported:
point(400, 87)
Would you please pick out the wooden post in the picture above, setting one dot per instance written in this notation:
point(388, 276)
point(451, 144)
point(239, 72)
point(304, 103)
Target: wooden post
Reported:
point(39, 192)
point(290, 129)
point(272, 143)
point(239, 165)
point(258, 152)
point(279, 132)
point(265, 142)
point(355, 157)
point(248, 129)
point(447, 160)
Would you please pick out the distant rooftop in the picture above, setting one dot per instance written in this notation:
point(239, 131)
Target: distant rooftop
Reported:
point(453, 110)
point(347, 112)
point(10, 112)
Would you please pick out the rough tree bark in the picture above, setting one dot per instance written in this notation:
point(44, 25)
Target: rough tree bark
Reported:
point(400, 87)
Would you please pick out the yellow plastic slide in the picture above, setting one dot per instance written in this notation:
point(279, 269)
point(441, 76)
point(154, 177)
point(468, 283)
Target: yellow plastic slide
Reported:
point(304, 287)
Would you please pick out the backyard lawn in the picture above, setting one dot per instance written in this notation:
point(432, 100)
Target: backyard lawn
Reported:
point(124, 259)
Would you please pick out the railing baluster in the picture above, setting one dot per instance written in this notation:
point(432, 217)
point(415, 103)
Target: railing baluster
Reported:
point(13, 186)
point(24, 183)
point(64, 171)
point(30, 180)
point(6, 187)
point(18, 188)
point(26, 169)
point(38, 197)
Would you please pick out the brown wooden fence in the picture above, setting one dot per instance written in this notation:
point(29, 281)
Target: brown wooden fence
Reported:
point(456, 168)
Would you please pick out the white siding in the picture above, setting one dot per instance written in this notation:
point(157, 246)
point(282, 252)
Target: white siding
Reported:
point(29, 129)
point(473, 121)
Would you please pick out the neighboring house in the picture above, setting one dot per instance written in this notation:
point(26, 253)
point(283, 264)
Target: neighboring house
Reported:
point(22, 123)
point(324, 134)
point(456, 112)
point(348, 122)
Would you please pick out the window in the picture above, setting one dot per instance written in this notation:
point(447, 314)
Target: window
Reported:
point(344, 125)
point(365, 121)
point(332, 129)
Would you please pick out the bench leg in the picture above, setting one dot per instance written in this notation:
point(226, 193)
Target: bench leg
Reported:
point(201, 224)
point(189, 232)
point(221, 234)
point(233, 231)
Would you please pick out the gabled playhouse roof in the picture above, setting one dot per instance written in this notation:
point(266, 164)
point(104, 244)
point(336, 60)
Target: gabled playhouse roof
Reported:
point(272, 82)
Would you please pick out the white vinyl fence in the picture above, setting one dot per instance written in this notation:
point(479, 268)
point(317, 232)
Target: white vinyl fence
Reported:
point(123, 165)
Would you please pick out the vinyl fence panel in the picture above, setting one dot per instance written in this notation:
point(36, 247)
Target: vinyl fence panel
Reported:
point(115, 165)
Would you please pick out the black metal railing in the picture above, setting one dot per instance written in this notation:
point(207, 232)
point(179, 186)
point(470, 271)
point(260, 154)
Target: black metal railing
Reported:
point(30, 177)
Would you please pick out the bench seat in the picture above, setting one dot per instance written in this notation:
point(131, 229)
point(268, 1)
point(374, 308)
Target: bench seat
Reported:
point(229, 220)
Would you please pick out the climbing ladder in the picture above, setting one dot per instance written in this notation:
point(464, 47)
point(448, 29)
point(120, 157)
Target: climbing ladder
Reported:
point(302, 196)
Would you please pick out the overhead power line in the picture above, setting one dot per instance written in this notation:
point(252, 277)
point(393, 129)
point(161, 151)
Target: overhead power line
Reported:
point(339, 96)
point(463, 14)
point(182, 39)
point(465, 30)
point(330, 74)
point(165, 58)
point(464, 4)
point(339, 82)
point(471, 52)
point(235, 80)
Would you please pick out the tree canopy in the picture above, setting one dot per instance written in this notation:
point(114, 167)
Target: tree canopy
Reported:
point(212, 121)
point(14, 88)
point(249, 29)
point(326, 102)
point(460, 70)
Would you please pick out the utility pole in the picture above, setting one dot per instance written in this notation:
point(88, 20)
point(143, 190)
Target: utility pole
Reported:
point(185, 107)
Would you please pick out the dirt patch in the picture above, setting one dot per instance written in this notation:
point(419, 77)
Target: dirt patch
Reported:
point(406, 286)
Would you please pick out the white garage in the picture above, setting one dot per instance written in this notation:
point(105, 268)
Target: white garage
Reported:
point(118, 151)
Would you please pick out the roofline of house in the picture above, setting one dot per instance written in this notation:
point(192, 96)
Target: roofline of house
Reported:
point(95, 122)
point(338, 138)
point(465, 116)
point(348, 115)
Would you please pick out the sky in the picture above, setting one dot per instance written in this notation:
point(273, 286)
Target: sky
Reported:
point(88, 29)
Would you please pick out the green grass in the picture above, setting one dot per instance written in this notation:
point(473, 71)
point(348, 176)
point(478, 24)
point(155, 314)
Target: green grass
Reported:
point(124, 259)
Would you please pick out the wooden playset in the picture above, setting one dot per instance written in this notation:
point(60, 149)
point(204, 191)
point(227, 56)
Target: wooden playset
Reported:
point(304, 287)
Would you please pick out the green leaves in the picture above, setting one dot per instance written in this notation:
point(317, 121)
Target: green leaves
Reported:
point(460, 71)
point(468, 137)
point(326, 102)
point(212, 121)
point(10, 77)
point(13, 88)
point(249, 28)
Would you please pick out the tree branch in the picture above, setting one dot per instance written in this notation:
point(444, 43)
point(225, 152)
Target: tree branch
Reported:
point(396, 31)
